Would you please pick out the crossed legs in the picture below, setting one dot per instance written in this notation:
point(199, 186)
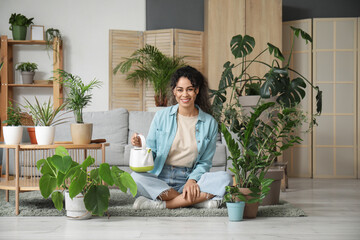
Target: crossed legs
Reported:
point(175, 199)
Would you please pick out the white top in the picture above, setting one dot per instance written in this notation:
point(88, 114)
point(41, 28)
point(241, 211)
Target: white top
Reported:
point(183, 151)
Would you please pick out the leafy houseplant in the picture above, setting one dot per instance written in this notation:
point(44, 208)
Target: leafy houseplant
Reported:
point(60, 173)
point(77, 99)
point(152, 66)
point(27, 70)
point(52, 35)
point(256, 138)
point(45, 117)
point(18, 25)
point(12, 131)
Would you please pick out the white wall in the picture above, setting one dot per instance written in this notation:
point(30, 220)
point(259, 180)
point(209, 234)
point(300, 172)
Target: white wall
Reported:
point(85, 26)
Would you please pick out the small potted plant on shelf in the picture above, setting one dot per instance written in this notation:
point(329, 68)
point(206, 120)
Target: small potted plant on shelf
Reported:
point(52, 36)
point(78, 98)
point(45, 118)
point(27, 70)
point(86, 191)
point(18, 25)
point(152, 66)
point(256, 138)
point(13, 130)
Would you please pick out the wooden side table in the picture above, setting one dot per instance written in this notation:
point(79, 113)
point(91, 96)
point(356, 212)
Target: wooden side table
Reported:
point(29, 179)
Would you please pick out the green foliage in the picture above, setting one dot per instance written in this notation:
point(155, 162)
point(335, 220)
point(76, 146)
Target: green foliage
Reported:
point(13, 115)
point(256, 143)
point(1, 65)
point(44, 114)
point(79, 95)
point(19, 20)
point(50, 35)
point(60, 172)
point(276, 82)
point(26, 67)
point(152, 66)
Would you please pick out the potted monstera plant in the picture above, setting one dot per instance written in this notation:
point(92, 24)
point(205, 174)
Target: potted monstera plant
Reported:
point(255, 138)
point(86, 186)
point(18, 25)
point(78, 98)
point(151, 66)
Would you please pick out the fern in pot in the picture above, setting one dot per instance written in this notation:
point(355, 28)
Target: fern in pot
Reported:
point(13, 130)
point(78, 97)
point(45, 118)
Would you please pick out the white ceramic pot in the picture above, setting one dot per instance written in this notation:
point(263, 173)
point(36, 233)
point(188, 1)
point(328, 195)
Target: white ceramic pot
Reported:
point(12, 134)
point(81, 133)
point(45, 135)
point(75, 208)
point(27, 77)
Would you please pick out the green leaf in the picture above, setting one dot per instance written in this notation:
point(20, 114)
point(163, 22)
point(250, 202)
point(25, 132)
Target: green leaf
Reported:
point(61, 151)
point(242, 46)
point(97, 199)
point(303, 34)
point(88, 162)
point(105, 173)
point(47, 185)
point(63, 164)
point(77, 184)
point(58, 198)
point(123, 180)
point(276, 51)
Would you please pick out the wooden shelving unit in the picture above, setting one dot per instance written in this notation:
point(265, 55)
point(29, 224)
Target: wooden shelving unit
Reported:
point(7, 73)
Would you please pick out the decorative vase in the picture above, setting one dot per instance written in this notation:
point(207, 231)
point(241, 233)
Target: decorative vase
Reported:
point(12, 134)
point(27, 77)
point(19, 32)
point(81, 133)
point(251, 209)
point(31, 131)
point(45, 135)
point(235, 211)
point(75, 208)
point(273, 196)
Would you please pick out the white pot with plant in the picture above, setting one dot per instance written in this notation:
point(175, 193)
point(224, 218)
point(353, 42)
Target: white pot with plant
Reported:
point(27, 70)
point(78, 98)
point(45, 119)
point(13, 130)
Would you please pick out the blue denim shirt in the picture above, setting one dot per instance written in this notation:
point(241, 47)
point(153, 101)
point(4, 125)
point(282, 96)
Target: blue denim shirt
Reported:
point(162, 133)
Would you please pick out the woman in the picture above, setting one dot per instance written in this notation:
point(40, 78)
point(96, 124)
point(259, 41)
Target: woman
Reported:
point(183, 141)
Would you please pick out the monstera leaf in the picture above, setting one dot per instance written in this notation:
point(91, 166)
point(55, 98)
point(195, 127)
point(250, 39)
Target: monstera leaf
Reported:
point(242, 46)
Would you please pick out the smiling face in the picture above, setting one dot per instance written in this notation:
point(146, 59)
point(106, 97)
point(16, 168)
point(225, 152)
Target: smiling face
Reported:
point(185, 93)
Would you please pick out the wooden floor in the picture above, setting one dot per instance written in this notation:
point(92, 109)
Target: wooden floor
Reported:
point(333, 208)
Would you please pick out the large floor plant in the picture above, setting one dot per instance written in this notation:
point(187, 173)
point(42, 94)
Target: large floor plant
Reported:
point(151, 66)
point(257, 137)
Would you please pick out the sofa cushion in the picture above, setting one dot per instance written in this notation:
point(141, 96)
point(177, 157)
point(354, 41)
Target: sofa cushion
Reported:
point(139, 122)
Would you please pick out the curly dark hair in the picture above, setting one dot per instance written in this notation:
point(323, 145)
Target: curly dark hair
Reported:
point(198, 81)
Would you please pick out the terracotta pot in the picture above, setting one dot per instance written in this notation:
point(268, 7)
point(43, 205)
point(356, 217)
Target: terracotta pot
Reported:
point(32, 135)
point(273, 196)
point(251, 209)
point(81, 133)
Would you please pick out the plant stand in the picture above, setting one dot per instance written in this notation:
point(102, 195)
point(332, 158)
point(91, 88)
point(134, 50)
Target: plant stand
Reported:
point(27, 176)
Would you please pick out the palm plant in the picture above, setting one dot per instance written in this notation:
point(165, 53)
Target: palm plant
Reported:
point(79, 95)
point(44, 114)
point(152, 66)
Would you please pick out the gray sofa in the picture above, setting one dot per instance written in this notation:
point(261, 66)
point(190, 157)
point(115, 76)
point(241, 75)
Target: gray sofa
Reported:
point(117, 126)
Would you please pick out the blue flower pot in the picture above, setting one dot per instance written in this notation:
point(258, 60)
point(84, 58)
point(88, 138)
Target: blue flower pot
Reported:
point(235, 211)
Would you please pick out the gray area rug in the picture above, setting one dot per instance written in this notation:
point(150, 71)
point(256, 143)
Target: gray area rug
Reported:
point(33, 204)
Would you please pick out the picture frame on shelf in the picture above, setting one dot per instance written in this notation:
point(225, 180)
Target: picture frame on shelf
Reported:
point(37, 32)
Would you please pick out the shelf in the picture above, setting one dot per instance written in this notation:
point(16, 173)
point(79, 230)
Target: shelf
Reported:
point(26, 42)
point(30, 85)
point(25, 184)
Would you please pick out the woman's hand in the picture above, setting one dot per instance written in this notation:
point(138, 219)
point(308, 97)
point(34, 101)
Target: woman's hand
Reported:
point(135, 140)
point(191, 190)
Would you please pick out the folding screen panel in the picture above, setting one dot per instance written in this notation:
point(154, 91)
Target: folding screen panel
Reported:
point(121, 92)
point(299, 157)
point(334, 70)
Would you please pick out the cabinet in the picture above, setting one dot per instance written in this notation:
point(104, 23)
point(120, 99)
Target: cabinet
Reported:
point(7, 74)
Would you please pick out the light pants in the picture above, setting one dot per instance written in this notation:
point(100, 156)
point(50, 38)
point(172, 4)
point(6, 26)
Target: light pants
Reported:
point(151, 186)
